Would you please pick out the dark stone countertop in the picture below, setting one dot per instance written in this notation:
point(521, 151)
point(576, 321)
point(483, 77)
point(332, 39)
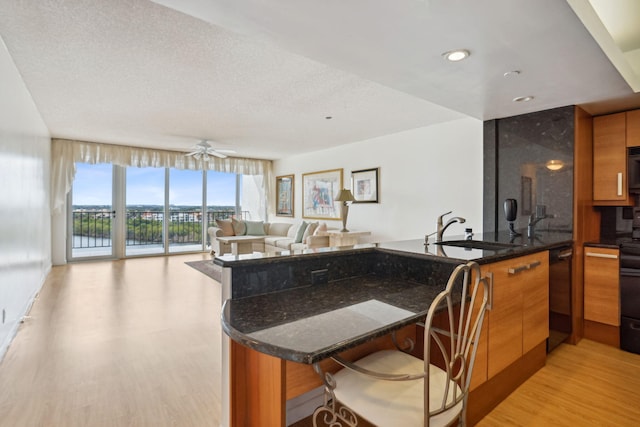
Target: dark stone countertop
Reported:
point(416, 248)
point(312, 323)
point(605, 243)
point(522, 245)
point(309, 323)
point(614, 242)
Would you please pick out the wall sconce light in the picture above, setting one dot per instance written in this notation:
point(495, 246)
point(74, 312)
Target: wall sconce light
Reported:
point(344, 197)
point(555, 165)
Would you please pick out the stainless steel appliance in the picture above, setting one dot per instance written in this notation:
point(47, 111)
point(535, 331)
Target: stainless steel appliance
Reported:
point(633, 169)
point(559, 296)
point(630, 295)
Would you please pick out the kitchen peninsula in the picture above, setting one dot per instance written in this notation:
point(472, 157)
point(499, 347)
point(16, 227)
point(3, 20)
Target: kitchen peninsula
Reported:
point(286, 311)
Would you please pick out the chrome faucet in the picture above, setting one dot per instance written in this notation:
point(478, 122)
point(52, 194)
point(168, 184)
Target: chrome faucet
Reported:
point(536, 217)
point(442, 227)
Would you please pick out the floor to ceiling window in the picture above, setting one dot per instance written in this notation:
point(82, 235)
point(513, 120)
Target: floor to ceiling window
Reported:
point(186, 223)
point(91, 220)
point(145, 211)
point(223, 196)
point(163, 210)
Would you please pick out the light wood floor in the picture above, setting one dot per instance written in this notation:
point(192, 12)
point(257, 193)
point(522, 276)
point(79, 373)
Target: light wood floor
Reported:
point(136, 343)
point(590, 384)
point(125, 343)
point(587, 385)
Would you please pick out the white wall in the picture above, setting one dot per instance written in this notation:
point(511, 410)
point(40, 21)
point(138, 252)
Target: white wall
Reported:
point(25, 224)
point(423, 173)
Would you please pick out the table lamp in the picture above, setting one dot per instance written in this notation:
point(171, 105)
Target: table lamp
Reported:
point(344, 197)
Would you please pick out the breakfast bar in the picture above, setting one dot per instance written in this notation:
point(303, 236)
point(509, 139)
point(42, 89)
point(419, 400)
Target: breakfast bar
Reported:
point(310, 324)
point(285, 312)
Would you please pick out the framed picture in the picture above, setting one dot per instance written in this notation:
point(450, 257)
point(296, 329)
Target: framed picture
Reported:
point(364, 185)
point(284, 195)
point(318, 191)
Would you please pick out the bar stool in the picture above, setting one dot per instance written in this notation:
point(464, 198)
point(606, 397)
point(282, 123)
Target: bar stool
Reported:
point(391, 388)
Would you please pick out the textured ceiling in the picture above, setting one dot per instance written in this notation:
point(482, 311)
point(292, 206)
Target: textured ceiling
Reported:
point(261, 77)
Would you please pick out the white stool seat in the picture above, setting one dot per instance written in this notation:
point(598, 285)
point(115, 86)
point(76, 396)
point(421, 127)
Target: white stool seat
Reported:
point(395, 403)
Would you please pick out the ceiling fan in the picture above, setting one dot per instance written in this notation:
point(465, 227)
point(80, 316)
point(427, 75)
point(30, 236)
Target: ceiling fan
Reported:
point(203, 150)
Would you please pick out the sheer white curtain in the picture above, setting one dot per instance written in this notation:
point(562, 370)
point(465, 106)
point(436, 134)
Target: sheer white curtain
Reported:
point(65, 153)
point(254, 198)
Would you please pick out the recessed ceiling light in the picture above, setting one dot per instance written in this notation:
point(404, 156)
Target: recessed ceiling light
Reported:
point(514, 73)
point(456, 55)
point(523, 99)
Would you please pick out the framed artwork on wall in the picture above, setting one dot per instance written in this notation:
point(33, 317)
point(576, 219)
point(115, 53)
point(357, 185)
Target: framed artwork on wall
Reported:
point(364, 185)
point(284, 195)
point(319, 189)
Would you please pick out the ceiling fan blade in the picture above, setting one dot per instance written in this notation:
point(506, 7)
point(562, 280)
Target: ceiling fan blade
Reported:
point(193, 153)
point(217, 154)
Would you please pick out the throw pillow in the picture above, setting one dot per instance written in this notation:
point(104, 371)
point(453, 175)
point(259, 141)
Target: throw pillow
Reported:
point(300, 232)
point(239, 228)
point(322, 228)
point(226, 226)
point(255, 228)
point(293, 230)
point(311, 228)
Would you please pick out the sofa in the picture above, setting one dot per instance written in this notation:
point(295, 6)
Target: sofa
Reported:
point(278, 236)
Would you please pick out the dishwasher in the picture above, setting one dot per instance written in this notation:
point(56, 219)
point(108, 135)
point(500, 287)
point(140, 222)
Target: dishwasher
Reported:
point(630, 296)
point(560, 260)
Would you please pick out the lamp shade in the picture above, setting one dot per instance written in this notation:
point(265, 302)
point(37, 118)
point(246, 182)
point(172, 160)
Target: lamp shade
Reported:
point(345, 196)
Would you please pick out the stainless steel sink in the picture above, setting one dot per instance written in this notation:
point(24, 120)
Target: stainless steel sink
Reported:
point(479, 244)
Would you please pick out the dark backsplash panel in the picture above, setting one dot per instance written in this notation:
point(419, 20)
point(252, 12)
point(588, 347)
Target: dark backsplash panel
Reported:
point(490, 183)
point(281, 274)
point(516, 150)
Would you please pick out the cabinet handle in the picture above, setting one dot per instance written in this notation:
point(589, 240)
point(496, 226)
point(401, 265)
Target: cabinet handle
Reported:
point(599, 255)
point(534, 264)
point(489, 277)
point(619, 183)
point(521, 268)
point(516, 270)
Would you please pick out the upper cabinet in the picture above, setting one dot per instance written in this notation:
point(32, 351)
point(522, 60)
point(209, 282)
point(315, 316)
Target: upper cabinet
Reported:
point(633, 128)
point(610, 160)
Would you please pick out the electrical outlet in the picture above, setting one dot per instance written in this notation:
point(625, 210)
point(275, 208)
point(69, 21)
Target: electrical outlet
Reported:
point(319, 277)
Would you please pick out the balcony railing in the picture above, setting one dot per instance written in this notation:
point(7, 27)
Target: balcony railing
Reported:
point(92, 229)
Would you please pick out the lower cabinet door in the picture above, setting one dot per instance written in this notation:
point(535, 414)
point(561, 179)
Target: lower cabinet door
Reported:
point(504, 319)
point(519, 316)
point(535, 302)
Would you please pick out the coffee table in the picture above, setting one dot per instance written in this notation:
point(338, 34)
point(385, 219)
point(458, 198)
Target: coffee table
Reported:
point(243, 244)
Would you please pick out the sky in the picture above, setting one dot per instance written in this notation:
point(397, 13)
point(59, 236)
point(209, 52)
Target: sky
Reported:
point(145, 186)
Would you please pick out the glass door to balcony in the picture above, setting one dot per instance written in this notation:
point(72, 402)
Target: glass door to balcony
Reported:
point(91, 229)
point(185, 227)
point(120, 212)
point(145, 216)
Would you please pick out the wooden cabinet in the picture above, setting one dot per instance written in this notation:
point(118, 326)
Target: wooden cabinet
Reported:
point(535, 304)
point(602, 285)
point(519, 316)
point(610, 160)
point(633, 128)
